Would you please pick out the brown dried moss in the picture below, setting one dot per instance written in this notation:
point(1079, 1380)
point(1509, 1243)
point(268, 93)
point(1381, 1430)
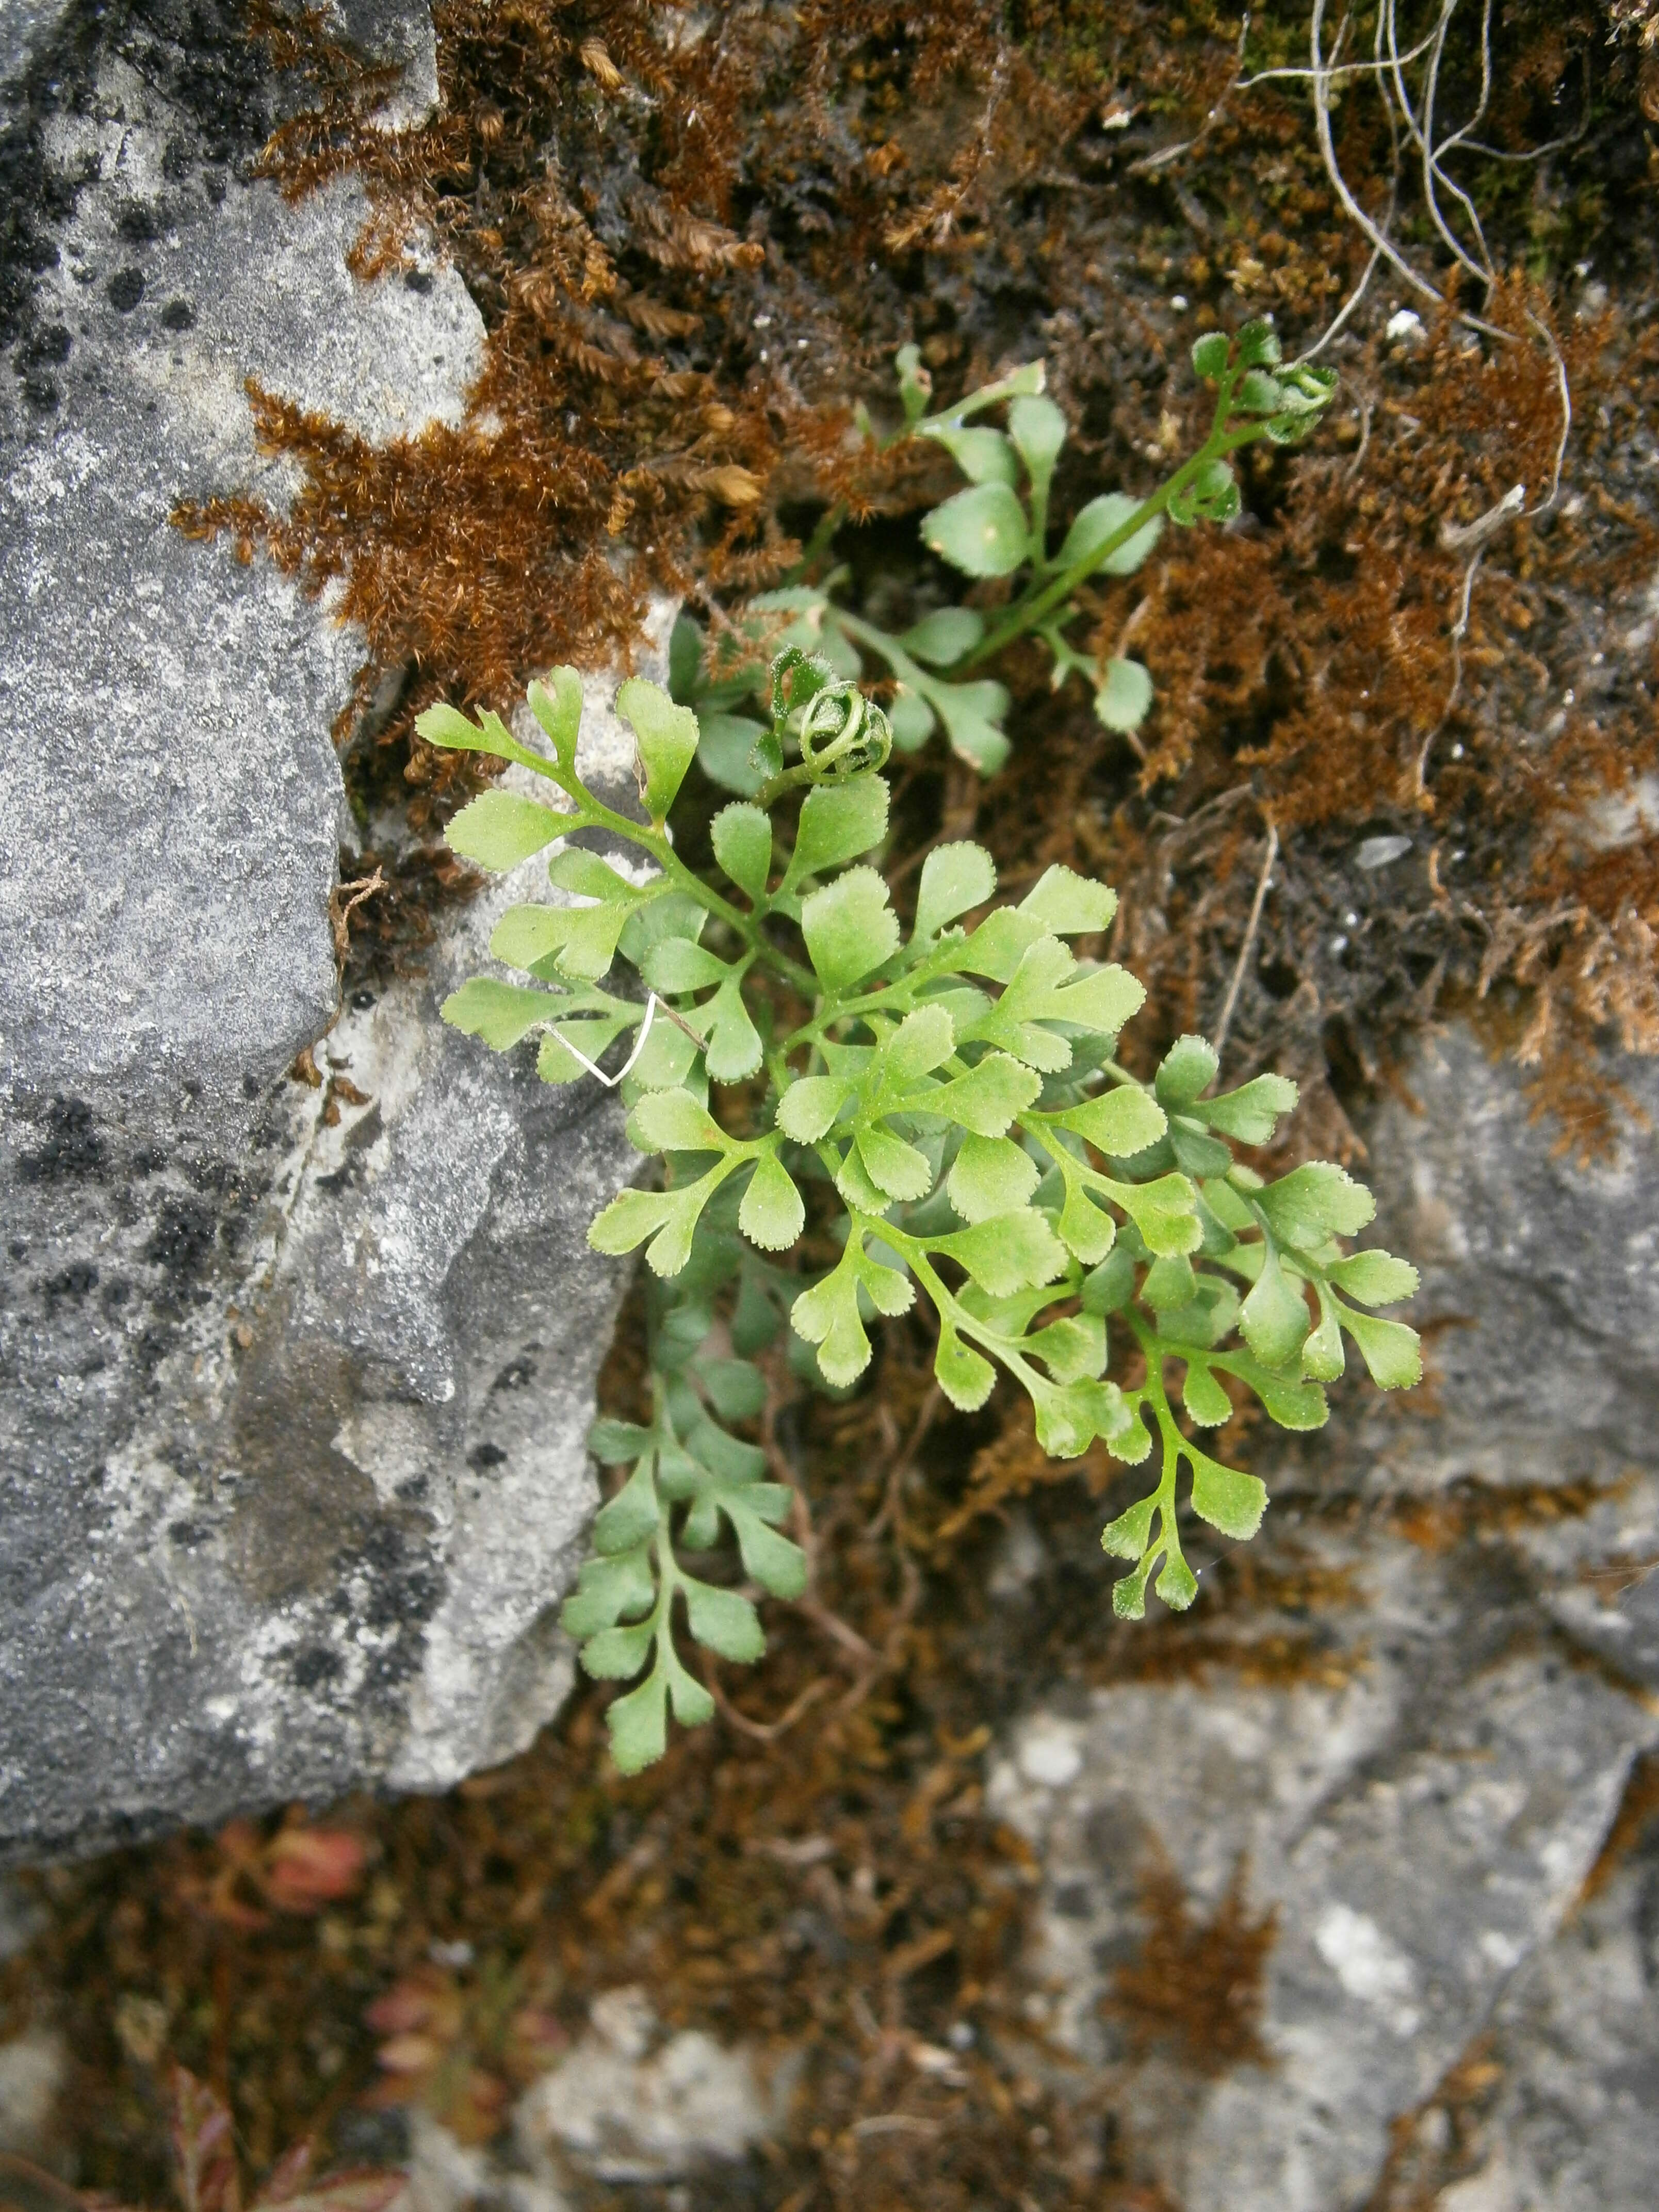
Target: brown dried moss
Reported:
point(1196, 1985)
point(694, 248)
point(1470, 1510)
point(1443, 2139)
point(581, 172)
point(1637, 1819)
point(1308, 678)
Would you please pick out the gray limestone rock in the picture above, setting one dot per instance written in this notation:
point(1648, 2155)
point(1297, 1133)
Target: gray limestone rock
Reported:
point(630, 2102)
point(1419, 1812)
point(397, 35)
point(1540, 1275)
point(1574, 2123)
point(167, 713)
point(1418, 1829)
point(24, 25)
point(293, 1380)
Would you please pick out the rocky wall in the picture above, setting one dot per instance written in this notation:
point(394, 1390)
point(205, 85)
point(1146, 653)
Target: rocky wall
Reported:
point(1410, 1810)
point(292, 1380)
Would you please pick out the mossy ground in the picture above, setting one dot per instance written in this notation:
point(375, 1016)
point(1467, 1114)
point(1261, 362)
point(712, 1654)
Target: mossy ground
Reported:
point(695, 245)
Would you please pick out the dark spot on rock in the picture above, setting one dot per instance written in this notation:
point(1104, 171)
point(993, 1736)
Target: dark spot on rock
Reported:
point(148, 1160)
point(187, 1534)
point(363, 1131)
point(222, 1177)
point(340, 1180)
point(314, 1665)
point(152, 1348)
point(1108, 1952)
point(74, 1282)
point(486, 1456)
point(361, 1001)
point(405, 1587)
point(179, 1453)
point(1073, 1901)
point(382, 1548)
point(72, 1146)
point(386, 1670)
point(176, 157)
point(18, 1248)
point(250, 1086)
point(116, 1296)
point(517, 1374)
point(178, 315)
point(413, 1489)
point(417, 280)
point(1113, 1834)
point(182, 1238)
point(125, 290)
point(50, 344)
point(371, 2138)
point(386, 1606)
point(41, 391)
point(214, 185)
point(136, 223)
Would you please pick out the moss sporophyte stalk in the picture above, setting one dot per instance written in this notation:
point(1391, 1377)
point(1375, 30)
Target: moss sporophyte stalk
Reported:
point(944, 1105)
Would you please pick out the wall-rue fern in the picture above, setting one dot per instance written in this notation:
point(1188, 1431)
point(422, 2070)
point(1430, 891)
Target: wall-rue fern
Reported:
point(996, 529)
point(947, 1106)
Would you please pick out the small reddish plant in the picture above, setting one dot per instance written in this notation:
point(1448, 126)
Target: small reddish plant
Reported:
point(207, 2174)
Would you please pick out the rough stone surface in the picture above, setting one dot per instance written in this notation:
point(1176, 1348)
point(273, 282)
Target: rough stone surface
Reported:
point(1420, 1812)
point(292, 1380)
point(1575, 2125)
point(1540, 1276)
point(396, 33)
point(292, 1387)
point(630, 2105)
point(1419, 1831)
point(169, 800)
point(24, 25)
